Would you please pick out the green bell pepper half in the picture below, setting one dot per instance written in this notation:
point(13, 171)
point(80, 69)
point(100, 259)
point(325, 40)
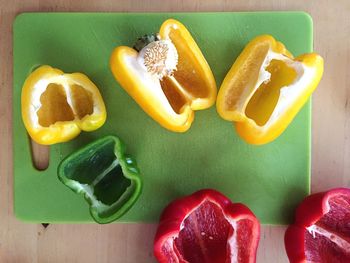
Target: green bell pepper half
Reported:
point(108, 179)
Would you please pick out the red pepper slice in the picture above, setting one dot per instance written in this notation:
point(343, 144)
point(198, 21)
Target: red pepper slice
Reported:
point(321, 232)
point(206, 227)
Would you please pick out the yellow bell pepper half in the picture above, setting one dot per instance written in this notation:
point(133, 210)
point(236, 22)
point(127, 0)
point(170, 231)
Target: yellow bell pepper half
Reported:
point(57, 106)
point(266, 87)
point(169, 77)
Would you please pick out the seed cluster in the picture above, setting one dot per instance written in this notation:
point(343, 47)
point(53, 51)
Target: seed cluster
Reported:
point(155, 59)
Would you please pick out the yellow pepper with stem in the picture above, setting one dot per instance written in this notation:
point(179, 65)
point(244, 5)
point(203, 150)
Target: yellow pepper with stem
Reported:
point(265, 89)
point(167, 75)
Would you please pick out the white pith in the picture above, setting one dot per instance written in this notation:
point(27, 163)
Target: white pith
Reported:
point(232, 241)
point(288, 94)
point(338, 240)
point(40, 87)
point(318, 229)
point(88, 189)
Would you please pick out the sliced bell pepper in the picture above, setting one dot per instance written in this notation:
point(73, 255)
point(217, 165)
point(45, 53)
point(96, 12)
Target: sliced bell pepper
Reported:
point(206, 227)
point(266, 87)
point(321, 231)
point(57, 106)
point(108, 179)
point(167, 76)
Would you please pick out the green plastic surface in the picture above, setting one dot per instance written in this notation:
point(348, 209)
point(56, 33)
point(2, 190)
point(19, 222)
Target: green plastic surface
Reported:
point(270, 179)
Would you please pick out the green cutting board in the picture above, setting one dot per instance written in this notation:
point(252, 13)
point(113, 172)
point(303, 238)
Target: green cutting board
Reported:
point(270, 179)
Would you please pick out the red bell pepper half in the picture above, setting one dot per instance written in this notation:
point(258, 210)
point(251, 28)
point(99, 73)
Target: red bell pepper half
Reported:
point(321, 232)
point(206, 227)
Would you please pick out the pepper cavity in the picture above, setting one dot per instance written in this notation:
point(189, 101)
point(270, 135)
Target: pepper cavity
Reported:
point(59, 103)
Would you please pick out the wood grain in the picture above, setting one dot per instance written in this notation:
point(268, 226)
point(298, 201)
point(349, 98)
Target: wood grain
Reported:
point(130, 243)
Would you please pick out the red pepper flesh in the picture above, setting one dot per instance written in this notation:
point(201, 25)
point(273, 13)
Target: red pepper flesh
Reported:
point(206, 227)
point(321, 232)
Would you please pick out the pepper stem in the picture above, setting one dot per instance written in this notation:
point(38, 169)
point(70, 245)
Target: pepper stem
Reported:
point(145, 40)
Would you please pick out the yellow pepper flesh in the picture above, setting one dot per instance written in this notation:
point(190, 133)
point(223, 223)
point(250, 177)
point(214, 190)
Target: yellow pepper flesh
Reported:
point(57, 106)
point(171, 100)
point(266, 87)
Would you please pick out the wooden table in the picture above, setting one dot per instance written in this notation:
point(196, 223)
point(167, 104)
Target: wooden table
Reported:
point(22, 242)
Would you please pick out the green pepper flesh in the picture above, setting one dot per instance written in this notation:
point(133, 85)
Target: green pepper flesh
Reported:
point(108, 178)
